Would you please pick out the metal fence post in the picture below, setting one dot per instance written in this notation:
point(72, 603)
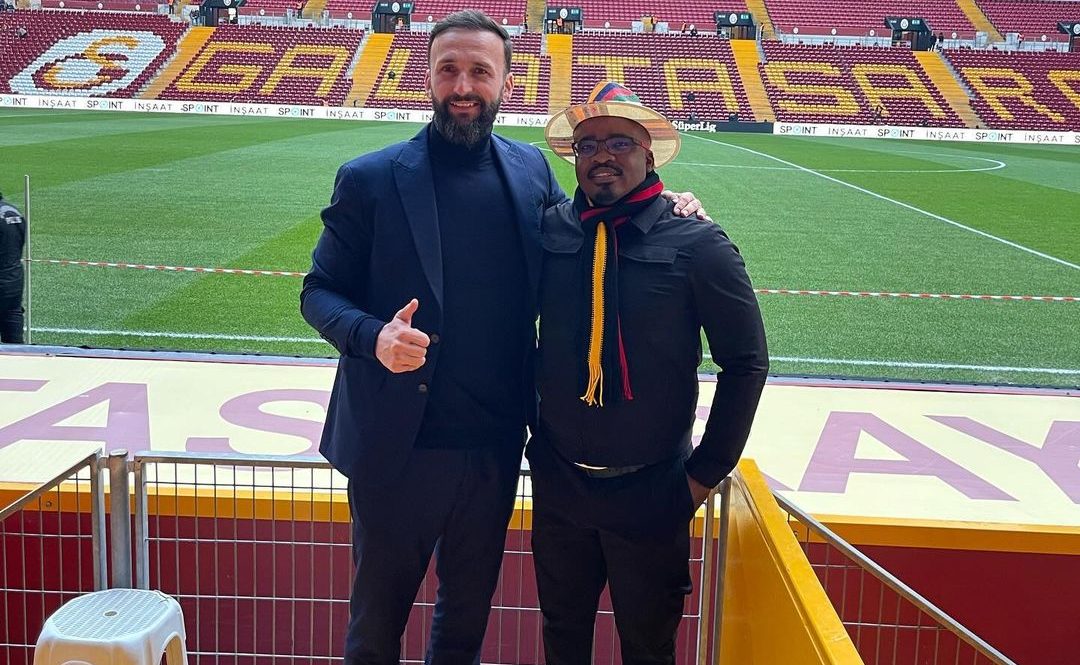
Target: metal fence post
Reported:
point(704, 593)
point(97, 524)
point(721, 565)
point(142, 538)
point(119, 520)
point(28, 292)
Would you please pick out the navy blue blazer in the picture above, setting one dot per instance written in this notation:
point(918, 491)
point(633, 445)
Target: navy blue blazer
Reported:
point(379, 248)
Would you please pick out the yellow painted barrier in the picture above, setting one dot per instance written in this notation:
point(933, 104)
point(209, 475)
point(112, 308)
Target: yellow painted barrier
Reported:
point(775, 610)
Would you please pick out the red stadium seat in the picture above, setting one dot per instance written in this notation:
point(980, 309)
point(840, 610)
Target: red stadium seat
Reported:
point(662, 69)
point(407, 60)
point(83, 53)
point(1031, 18)
point(1022, 90)
point(852, 85)
point(270, 65)
point(818, 18)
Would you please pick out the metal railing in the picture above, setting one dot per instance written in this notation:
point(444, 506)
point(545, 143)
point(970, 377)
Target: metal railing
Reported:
point(889, 622)
point(258, 552)
point(52, 551)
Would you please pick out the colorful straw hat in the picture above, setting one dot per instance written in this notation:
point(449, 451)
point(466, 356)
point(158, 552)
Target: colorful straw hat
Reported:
point(609, 98)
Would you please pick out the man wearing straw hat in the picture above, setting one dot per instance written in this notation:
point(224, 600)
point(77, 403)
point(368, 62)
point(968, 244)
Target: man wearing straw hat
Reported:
point(626, 289)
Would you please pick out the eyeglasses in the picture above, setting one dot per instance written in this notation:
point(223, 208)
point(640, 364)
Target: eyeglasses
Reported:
point(614, 145)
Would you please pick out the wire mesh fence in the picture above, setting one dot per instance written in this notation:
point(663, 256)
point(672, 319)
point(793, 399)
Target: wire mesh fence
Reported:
point(888, 621)
point(52, 551)
point(258, 553)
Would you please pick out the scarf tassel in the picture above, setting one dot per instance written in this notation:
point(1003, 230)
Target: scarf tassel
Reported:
point(604, 319)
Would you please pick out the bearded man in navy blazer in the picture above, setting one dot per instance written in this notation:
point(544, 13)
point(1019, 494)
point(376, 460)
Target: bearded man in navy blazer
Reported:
point(425, 280)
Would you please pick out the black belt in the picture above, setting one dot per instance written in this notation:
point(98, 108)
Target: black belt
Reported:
point(607, 471)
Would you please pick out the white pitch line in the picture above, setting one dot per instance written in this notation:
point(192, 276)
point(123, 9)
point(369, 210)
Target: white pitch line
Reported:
point(900, 363)
point(745, 167)
point(181, 335)
point(882, 197)
point(317, 340)
point(996, 165)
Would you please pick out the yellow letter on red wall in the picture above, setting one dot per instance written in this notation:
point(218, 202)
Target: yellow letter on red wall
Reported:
point(827, 99)
point(328, 75)
point(716, 79)
point(246, 74)
point(877, 91)
point(987, 81)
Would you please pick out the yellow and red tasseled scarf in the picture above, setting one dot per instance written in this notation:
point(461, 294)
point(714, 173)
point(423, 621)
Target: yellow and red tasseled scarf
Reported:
point(607, 373)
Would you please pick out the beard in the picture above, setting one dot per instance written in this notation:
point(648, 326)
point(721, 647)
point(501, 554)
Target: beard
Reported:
point(469, 133)
point(603, 196)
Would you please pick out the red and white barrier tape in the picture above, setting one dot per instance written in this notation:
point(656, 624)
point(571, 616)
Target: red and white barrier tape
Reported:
point(788, 292)
point(142, 266)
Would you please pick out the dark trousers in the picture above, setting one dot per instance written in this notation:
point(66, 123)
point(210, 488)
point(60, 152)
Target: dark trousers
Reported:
point(11, 317)
point(455, 503)
point(629, 532)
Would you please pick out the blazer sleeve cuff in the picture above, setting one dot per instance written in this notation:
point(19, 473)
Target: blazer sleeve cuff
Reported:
point(364, 335)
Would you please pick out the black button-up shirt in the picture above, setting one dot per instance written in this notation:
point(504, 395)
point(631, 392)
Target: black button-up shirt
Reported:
point(676, 276)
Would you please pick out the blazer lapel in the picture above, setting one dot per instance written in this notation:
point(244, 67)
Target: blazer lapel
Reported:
point(527, 207)
point(416, 188)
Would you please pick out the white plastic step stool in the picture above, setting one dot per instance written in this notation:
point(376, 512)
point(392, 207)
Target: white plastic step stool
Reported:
point(114, 627)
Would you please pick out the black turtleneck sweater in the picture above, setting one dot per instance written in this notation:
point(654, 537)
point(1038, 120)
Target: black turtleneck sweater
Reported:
point(478, 393)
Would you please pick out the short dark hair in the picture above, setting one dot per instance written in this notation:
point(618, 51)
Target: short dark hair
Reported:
point(471, 19)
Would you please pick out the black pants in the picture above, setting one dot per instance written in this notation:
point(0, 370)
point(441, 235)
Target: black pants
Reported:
point(630, 532)
point(11, 317)
point(455, 503)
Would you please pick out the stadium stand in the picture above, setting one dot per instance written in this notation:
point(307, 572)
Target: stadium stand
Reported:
point(80, 53)
point(1031, 18)
point(407, 61)
point(274, 65)
point(268, 7)
point(272, 6)
point(852, 84)
point(818, 18)
point(620, 13)
point(118, 54)
point(511, 10)
point(106, 5)
point(1014, 90)
point(664, 70)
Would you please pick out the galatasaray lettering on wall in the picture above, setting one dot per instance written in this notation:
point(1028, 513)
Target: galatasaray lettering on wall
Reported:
point(89, 63)
point(820, 88)
point(229, 68)
point(1008, 92)
point(967, 456)
point(701, 76)
point(408, 66)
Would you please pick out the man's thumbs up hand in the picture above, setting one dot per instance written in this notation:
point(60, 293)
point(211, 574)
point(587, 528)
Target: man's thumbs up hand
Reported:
point(405, 313)
point(400, 347)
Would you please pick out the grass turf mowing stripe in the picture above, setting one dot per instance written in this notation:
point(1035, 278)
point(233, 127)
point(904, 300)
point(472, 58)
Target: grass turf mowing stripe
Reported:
point(882, 197)
point(761, 291)
point(182, 335)
point(317, 340)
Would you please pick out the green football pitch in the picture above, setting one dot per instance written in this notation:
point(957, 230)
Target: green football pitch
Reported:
point(808, 214)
